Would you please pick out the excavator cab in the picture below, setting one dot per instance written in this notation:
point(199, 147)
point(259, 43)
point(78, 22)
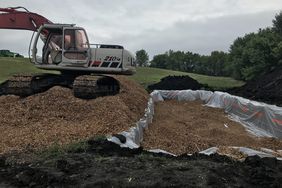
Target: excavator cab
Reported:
point(76, 49)
point(65, 45)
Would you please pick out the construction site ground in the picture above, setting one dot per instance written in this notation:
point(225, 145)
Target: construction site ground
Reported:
point(105, 164)
point(189, 126)
point(55, 117)
point(176, 83)
point(265, 88)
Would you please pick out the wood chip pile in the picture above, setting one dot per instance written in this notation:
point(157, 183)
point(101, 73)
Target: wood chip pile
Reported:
point(57, 117)
point(188, 127)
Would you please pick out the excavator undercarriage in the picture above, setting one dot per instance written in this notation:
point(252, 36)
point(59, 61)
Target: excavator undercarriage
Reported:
point(84, 86)
point(89, 86)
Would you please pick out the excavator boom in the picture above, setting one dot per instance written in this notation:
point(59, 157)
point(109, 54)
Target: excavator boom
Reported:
point(12, 18)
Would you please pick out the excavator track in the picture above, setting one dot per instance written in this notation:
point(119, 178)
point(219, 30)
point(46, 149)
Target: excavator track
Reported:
point(28, 84)
point(93, 86)
point(85, 86)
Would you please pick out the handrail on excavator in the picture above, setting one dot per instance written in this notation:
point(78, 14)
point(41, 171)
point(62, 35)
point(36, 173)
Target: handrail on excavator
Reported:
point(13, 9)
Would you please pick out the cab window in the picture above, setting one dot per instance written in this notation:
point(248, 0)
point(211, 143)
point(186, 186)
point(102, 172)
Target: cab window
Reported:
point(75, 44)
point(75, 39)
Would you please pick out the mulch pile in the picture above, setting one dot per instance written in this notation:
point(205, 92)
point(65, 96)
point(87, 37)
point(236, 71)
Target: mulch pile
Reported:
point(266, 88)
point(176, 83)
point(57, 117)
point(188, 127)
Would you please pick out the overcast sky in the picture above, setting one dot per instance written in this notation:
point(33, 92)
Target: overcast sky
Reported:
point(154, 25)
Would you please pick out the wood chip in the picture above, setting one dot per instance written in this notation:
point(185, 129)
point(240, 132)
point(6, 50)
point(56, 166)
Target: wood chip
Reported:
point(187, 127)
point(57, 117)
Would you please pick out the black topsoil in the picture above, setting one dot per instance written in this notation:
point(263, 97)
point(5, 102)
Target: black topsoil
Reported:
point(266, 88)
point(176, 83)
point(105, 164)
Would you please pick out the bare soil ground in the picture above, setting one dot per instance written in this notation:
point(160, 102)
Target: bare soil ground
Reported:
point(57, 117)
point(265, 88)
point(176, 83)
point(188, 127)
point(105, 164)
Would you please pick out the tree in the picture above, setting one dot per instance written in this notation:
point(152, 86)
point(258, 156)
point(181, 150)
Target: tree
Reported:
point(255, 54)
point(277, 23)
point(192, 62)
point(142, 58)
point(159, 61)
point(218, 60)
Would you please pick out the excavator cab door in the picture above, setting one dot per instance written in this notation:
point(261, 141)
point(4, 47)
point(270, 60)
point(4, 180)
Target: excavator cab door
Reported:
point(76, 48)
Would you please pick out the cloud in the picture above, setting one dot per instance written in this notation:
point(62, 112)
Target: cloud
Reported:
point(198, 36)
point(198, 26)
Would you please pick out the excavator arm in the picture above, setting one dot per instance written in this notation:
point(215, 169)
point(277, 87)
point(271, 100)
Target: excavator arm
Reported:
point(12, 18)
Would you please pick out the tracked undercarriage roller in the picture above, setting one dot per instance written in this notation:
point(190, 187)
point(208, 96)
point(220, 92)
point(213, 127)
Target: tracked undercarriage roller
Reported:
point(85, 87)
point(28, 84)
point(90, 86)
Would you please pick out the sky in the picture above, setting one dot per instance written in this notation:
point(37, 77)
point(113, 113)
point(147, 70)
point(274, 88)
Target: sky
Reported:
point(199, 26)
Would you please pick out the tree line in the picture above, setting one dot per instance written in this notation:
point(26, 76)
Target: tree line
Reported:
point(8, 53)
point(248, 57)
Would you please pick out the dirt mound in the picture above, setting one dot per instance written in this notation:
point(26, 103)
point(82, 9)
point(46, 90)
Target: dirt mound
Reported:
point(57, 117)
point(176, 83)
point(188, 127)
point(266, 88)
point(105, 164)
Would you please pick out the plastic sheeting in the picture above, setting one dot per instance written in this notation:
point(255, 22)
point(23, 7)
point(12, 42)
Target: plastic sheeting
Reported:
point(246, 151)
point(134, 136)
point(258, 118)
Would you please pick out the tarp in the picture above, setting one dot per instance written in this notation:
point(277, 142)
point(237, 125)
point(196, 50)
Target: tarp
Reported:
point(258, 118)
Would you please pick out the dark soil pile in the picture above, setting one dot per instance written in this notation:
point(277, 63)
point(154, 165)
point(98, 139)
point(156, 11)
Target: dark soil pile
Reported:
point(57, 117)
point(176, 83)
point(105, 164)
point(188, 127)
point(266, 88)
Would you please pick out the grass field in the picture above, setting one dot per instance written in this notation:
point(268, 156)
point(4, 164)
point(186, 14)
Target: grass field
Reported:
point(145, 75)
point(10, 66)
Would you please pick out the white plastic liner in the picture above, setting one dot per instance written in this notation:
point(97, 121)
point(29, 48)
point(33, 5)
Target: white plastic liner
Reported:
point(134, 136)
point(246, 151)
point(258, 118)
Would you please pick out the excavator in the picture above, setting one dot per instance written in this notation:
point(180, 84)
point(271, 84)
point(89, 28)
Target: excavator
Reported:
point(86, 68)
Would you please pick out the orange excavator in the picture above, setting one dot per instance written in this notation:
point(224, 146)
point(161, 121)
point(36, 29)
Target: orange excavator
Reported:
point(85, 67)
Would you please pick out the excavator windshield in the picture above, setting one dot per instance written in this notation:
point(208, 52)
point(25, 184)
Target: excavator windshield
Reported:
point(65, 45)
point(75, 44)
point(75, 40)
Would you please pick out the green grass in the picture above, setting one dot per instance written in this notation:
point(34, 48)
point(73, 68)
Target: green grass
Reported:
point(146, 76)
point(57, 150)
point(10, 66)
